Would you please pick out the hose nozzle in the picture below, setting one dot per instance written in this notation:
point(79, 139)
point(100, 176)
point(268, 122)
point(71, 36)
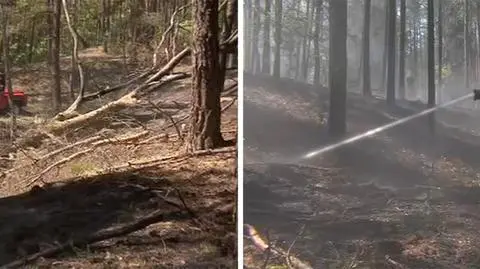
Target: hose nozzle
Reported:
point(476, 94)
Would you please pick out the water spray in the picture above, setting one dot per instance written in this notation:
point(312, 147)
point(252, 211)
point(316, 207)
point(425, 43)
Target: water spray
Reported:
point(475, 94)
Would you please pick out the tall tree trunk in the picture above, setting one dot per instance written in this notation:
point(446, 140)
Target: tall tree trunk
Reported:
point(50, 28)
point(478, 40)
point(56, 75)
point(367, 91)
point(385, 42)
point(306, 43)
point(278, 38)
point(403, 22)
point(392, 18)
point(415, 54)
point(7, 74)
point(228, 23)
point(431, 62)
point(440, 49)
point(248, 35)
point(316, 42)
point(466, 44)
point(256, 36)
point(205, 130)
point(266, 39)
point(338, 67)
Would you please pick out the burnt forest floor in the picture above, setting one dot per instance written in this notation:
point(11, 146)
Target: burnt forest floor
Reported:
point(118, 204)
point(400, 199)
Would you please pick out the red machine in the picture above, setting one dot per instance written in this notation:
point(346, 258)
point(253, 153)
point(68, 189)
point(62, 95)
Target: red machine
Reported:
point(19, 98)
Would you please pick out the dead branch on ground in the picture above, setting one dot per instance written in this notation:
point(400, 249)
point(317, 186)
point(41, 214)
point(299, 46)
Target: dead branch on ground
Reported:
point(142, 223)
point(227, 106)
point(108, 89)
point(260, 243)
point(396, 264)
point(172, 121)
point(95, 145)
point(137, 165)
point(53, 153)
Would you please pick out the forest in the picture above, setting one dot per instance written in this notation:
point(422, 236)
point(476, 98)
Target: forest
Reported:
point(118, 134)
point(392, 188)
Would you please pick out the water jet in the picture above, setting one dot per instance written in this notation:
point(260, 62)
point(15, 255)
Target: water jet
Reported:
point(371, 132)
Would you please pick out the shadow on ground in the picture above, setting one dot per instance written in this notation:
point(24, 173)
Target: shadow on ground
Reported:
point(73, 211)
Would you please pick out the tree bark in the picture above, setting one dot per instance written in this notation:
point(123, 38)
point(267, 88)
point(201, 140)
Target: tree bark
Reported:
point(7, 74)
point(316, 42)
point(401, 74)
point(205, 126)
point(391, 53)
point(440, 48)
point(431, 63)
point(338, 67)
point(266, 39)
point(278, 38)
point(55, 68)
point(306, 43)
point(367, 91)
point(385, 47)
point(466, 43)
point(248, 34)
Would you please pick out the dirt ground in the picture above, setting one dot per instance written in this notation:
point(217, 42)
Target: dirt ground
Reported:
point(192, 197)
point(400, 199)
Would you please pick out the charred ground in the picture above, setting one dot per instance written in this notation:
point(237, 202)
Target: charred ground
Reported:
point(400, 198)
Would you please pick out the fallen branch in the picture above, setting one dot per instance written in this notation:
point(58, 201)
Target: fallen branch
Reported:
point(156, 161)
point(53, 153)
point(389, 260)
point(230, 90)
point(83, 152)
point(129, 100)
point(229, 104)
point(182, 119)
point(108, 89)
point(142, 223)
point(259, 243)
point(169, 117)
